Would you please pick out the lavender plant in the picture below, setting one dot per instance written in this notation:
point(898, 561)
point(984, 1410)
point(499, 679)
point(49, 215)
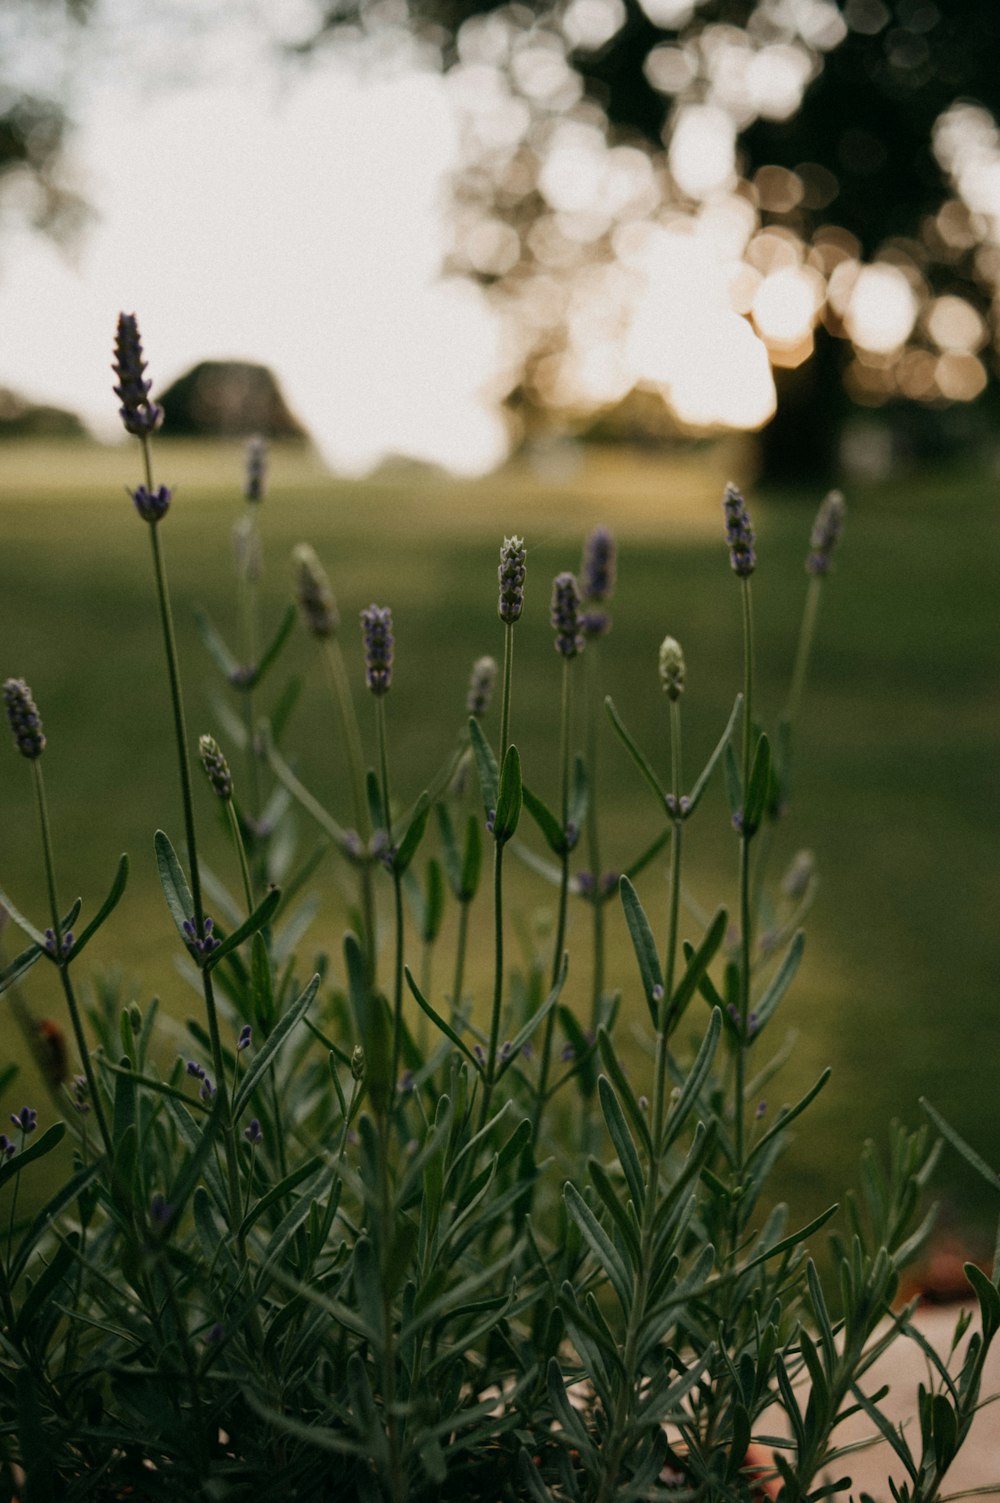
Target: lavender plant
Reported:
point(375, 1236)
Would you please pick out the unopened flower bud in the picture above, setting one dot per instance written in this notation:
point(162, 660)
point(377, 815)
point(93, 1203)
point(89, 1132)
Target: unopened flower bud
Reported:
point(24, 718)
point(825, 533)
point(358, 1063)
point(314, 593)
point(511, 574)
point(216, 767)
point(481, 686)
point(672, 669)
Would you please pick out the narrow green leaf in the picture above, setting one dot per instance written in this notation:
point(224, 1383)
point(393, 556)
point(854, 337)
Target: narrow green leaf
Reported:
point(38, 1451)
point(50, 1139)
point(109, 904)
point(546, 821)
point(625, 1148)
point(259, 919)
point(407, 848)
point(626, 1095)
point(649, 854)
point(782, 979)
point(524, 1033)
point(20, 965)
point(793, 1240)
point(760, 780)
point(228, 665)
point(724, 744)
point(989, 1299)
point(696, 1079)
point(48, 1216)
point(449, 849)
point(264, 1058)
point(644, 946)
point(579, 798)
point(636, 755)
point(21, 922)
point(960, 1146)
point(174, 884)
point(124, 1105)
point(697, 964)
point(609, 1259)
point(368, 1286)
point(437, 1020)
point(537, 1490)
point(789, 1114)
point(262, 991)
point(618, 1213)
point(734, 783)
point(509, 796)
point(486, 765)
point(271, 651)
point(190, 1173)
point(472, 860)
point(433, 902)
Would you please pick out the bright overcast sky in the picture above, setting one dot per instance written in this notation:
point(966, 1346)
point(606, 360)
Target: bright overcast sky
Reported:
point(293, 219)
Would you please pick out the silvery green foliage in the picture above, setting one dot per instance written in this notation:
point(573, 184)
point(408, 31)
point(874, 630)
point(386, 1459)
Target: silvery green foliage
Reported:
point(333, 1252)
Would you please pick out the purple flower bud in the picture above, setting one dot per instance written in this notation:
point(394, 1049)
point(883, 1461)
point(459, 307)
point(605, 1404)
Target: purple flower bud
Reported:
point(825, 533)
point(215, 1333)
point(207, 1091)
point(376, 628)
point(25, 721)
point(255, 476)
point(567, 1053)
point(594, 623)
point(193, 1068)
point(481, 686)
point(151, 505)
point(138, 413)
point(511, 574)
point(216, 767)
point(7, 1148)
point(26, 1119)
point(480, 1053)
point(739, 533)
point(506, 1050)
point(564, 615)
point(314, 593)
point(761, 1109)
point(160, 1213)
point(253, 1133)
point(406, 1081)
point(246, 1037)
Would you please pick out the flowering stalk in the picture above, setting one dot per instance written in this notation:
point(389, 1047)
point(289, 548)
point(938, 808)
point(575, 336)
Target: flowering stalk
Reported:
point(142, 418)
point(743, 559)
point(246, 539)
point(597, 581)
point(672, 676)
point(823, 541)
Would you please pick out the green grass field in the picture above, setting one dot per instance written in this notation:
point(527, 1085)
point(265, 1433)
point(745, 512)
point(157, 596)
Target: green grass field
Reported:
point(897, 746)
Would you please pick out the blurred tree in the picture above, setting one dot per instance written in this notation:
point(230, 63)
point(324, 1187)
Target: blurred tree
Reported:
point(851, 149)
point(34, 34)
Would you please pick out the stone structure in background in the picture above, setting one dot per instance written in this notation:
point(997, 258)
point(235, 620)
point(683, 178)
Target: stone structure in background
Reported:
point(21, 418)
point(228, 399)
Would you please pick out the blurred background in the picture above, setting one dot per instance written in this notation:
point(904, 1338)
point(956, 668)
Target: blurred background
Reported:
point(485, 268)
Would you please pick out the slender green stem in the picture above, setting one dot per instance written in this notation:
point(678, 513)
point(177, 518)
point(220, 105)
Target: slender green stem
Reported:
point(460, 952)
point(397, 988)
point(746, 919)
point(76, 1020)
point(491, 1054)
point(334, 660)
point(807, 632)
point(593, 833)
point(673, 924)
point(234, 826)
point(560, 934)
point(508, 667)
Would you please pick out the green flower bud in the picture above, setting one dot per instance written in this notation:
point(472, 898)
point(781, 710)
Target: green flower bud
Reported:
point(672, 668)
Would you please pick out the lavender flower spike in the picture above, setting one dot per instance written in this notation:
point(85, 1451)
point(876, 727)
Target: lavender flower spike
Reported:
point(138, 413)
point(216, 767)
point(826, 533)
point(313, 593)
point(597, 570)
point(376, 627)
point(739, 533)
point(565, 615)
point(24, 718)
point(481, 686)
point(511, 573)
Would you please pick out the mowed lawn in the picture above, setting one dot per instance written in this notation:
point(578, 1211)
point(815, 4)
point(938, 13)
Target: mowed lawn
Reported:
point(896, 787)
